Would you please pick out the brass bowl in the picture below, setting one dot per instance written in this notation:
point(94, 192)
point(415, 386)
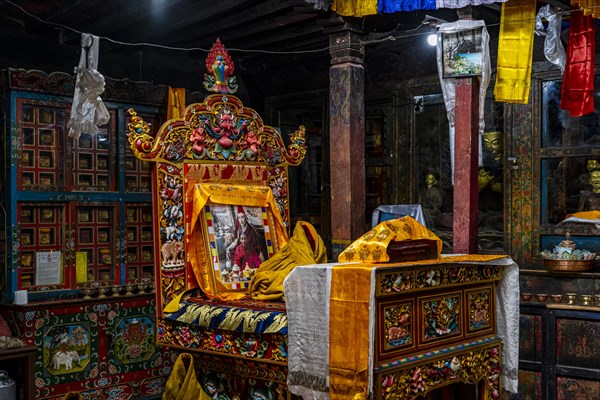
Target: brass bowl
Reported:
point(88, 292)
point(541, 297)
point(568, 265)
point(102, 291)
point(526, 296)
point(556, 298)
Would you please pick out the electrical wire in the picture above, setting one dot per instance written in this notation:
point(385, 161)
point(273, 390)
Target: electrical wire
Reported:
point(160, 45)
point(328, 48)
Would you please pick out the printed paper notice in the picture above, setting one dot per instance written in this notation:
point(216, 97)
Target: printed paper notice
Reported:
point(48, 267)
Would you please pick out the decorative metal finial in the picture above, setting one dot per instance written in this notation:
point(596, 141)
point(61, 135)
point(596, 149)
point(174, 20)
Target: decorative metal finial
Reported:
point(219, 66)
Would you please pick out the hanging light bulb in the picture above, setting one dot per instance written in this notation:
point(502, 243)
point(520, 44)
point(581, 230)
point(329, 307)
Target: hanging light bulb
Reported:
point(432, 39)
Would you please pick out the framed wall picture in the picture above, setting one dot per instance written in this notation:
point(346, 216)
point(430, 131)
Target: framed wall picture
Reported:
point(239, 238)
point(462, 53)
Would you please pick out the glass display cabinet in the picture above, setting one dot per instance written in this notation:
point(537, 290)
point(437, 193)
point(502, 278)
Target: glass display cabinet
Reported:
point(432, 158)
point(568, 155)
point(551, 163)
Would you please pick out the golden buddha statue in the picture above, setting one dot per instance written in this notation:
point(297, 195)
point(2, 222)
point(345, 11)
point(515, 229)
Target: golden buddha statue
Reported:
point(583, 181)
point(492, 141)
point(431, 199)
point(489, 180)
point(590, 199)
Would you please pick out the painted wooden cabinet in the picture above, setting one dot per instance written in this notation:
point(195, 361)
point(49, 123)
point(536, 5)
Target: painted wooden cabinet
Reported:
point(434, 325)
point(103, 347)
point(79, 239)
point(559, 350)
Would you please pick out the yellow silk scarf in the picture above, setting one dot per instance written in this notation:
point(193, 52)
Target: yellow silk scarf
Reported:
point(349, 329)
point(175, 103)
point(182, 383)
point(354, 8)
point(305, 247)
point(372, 246)
point(349, 324)
point(588, 7)
point(245, 195)
point(515, 51)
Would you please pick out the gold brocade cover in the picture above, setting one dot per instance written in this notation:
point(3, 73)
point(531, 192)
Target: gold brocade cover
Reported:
point(372, 246)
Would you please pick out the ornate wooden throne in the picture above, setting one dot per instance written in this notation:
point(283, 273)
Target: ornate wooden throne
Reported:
point(218, 154)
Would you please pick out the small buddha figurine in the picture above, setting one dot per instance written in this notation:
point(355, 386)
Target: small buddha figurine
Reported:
point(590, 199)
point(431, 199)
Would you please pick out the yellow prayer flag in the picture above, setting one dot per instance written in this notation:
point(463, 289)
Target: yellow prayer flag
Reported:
point(515, 51)
point(175, 103)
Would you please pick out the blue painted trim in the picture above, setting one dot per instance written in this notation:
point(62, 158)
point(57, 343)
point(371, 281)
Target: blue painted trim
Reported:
point(433, 353)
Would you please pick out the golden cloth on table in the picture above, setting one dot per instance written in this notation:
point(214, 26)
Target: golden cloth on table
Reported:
point(372, 246)
point(304, 247)
point(257, 196)
point(347, 322)
point(175, 103)
point(586, 217)
point(515, 51)
point(349, 314)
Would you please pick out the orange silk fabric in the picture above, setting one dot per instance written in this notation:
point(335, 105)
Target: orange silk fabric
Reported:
point(197, 246)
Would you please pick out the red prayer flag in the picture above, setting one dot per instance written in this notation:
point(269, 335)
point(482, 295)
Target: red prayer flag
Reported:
point(577, 92)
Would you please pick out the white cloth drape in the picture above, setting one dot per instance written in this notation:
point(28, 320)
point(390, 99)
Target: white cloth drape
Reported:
point(88, 112)
point(553, 47)
point(449, 84)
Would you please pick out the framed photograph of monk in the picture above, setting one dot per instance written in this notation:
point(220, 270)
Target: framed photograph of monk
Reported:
point(239, 239)
point(462, 53)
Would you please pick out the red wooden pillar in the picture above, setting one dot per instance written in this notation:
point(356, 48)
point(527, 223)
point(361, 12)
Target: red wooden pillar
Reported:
point(347, 139)
point(466, 150)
